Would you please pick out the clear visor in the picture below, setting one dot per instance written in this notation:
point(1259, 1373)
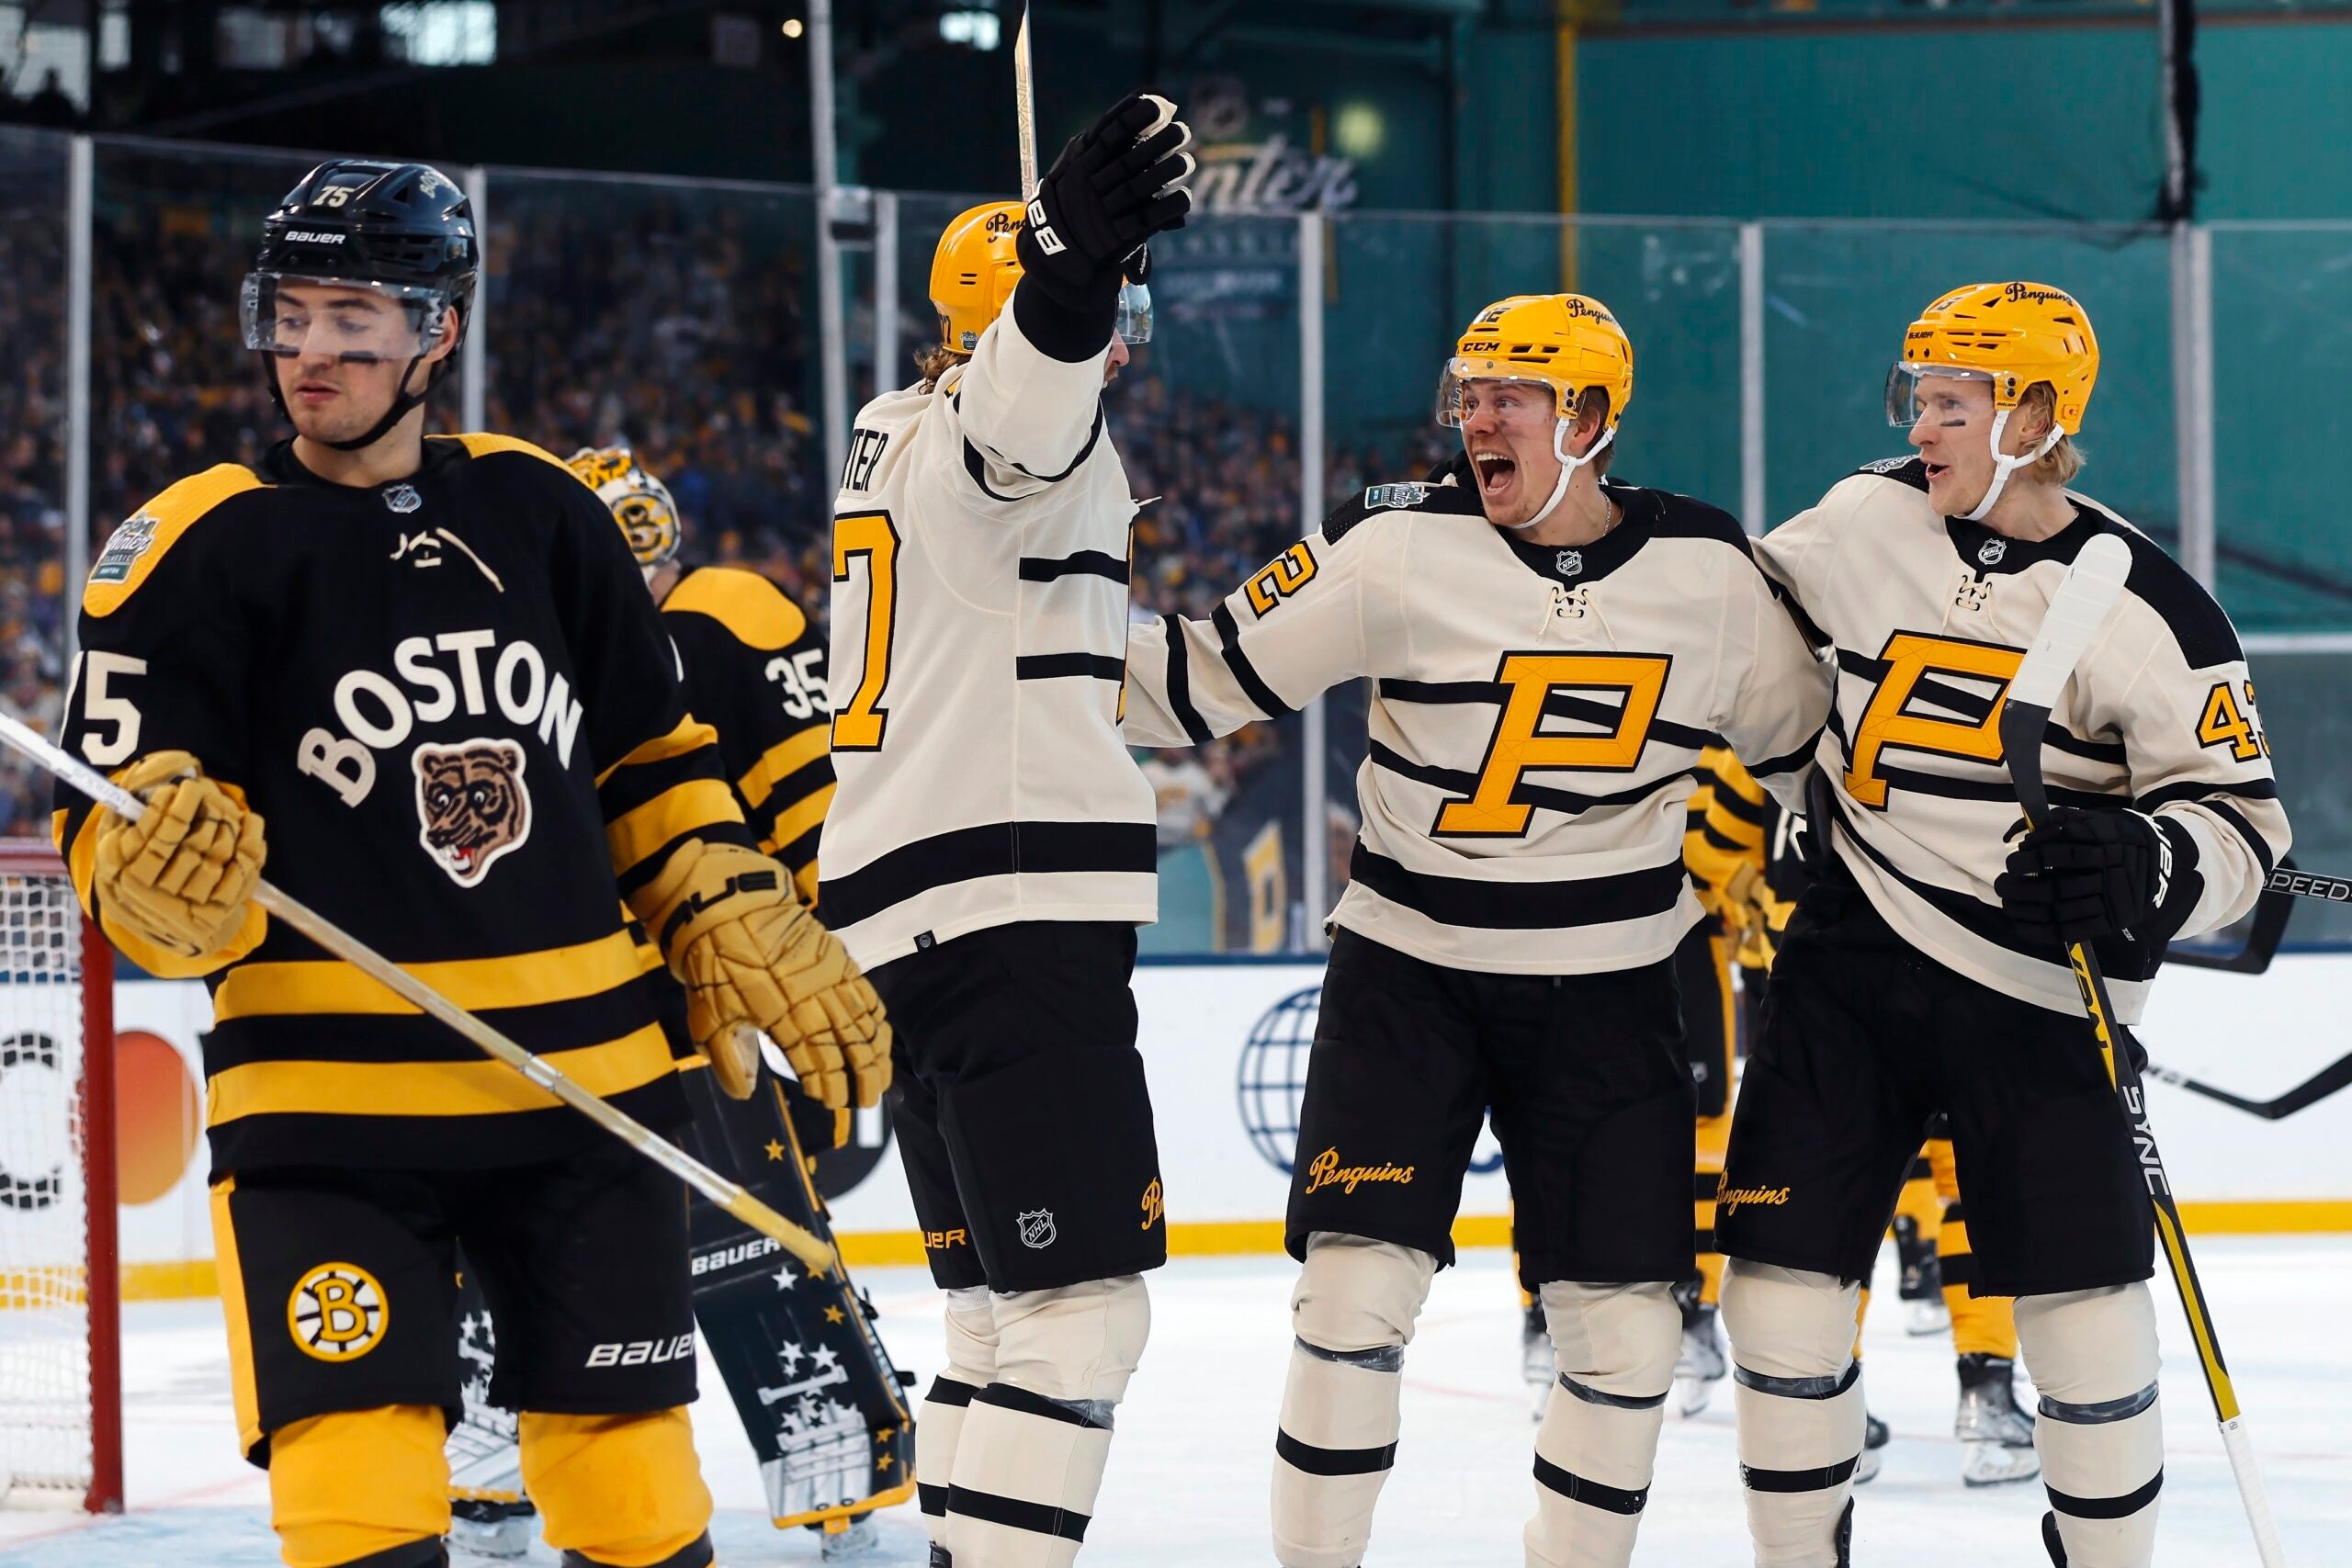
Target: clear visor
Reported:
point(343, 318)
point(1466, 386)
point(1912, 390)
point(1134, 313)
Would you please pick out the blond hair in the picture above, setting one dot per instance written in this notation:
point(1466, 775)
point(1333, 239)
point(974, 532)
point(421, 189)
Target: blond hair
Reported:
point(2062, 462)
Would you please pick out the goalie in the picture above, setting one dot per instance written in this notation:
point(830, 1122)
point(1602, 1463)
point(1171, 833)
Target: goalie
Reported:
point(819, 1397)
point(423, 679)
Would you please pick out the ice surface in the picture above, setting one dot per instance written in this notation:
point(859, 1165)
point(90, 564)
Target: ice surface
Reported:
point(1188, 1478)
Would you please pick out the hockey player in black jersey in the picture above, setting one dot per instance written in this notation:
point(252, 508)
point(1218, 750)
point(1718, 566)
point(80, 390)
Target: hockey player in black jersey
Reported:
point(819, 1399)
point(422, 679)
point(1552, 652)
point(1924, 972)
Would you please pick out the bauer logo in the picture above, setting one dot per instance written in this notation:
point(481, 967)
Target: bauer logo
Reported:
point(337, 1313)
point(641, 1352)
point(129, 542)
point(721, 1259)
point(1036, 1228)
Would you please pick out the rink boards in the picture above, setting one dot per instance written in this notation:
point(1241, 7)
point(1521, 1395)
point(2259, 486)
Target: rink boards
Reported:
point(1225, 1048)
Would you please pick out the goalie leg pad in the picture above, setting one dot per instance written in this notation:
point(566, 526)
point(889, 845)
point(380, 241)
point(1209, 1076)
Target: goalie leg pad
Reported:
point(1035, 1438)
point(1352, 1311)
point(971, 1367)
point(360, 1486)
point(2102, 1434)
point(618, 1491)
point(1615, 1347)
point(1798, 1396)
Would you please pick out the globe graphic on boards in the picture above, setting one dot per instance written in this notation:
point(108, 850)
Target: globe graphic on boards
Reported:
point(1272, 1074)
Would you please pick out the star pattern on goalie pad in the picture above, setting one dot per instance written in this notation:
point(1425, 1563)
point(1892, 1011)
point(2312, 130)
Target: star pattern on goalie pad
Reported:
point(784, 1278)
point(833, 1314)
point(775, 1149)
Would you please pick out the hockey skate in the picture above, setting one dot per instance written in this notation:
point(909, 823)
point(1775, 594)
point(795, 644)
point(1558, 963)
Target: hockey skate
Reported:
point(1996, 1435)
point(1922, 1288)
point(1702, 1364)
point(492, 1529)
point(1535, 1362)
point(856, 1541)
point(1875, 1437)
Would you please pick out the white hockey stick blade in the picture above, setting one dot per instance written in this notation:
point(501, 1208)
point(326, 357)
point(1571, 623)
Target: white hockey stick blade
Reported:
point(1024, 103)
point(2092, 585)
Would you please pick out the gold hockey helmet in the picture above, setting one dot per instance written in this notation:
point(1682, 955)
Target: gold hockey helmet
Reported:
point(973, 272)
point(639, 502)
point(1566, 342)
point(2012, 334)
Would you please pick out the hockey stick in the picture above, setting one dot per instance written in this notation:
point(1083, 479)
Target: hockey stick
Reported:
point(2324, 1083)
point(2264, 930)
point(812, 1252)
point(1024, 104)
point(2091, 586)
point(2309, 885)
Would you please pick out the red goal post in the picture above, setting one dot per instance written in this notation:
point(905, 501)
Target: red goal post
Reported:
point(61, 1274)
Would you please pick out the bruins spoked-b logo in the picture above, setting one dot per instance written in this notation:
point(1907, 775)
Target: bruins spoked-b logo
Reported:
point(470, 805)
point(337, 1313)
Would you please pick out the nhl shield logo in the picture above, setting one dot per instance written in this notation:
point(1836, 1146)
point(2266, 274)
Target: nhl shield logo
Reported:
point(1568, 563)
point(402, 499)
point(1991, 551)
point(1036, 1228)
point(1396, 495)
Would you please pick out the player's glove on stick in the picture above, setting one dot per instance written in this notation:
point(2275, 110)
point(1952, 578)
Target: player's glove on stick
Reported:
point(1111, 190)
point(2085, 875)
point(752, 957)
point(181, 874)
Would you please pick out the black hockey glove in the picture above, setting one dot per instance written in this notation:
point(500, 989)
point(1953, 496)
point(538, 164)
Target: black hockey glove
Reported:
point(1111, 190)
point(2086, 875)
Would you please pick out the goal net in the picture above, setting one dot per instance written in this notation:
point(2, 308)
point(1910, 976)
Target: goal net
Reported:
point(59, 1393)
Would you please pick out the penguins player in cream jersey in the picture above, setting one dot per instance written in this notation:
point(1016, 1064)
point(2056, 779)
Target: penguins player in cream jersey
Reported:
point(1924, 972)
point(991, 845)
point(1552, 652)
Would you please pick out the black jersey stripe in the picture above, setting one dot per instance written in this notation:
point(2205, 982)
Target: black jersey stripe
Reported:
point(1062, 666)
point(806, 750)
point(1771, 767)
point(1397, 689)
point(1453, 781)
point(1732, 801)
point(1180, 683)
point(1081, 563)
point(1522, 905)
point(1244, 672)
point(995, 849)
point(977, 465)
point(2200, 789)
point(328, 1036)
point(2244, 829)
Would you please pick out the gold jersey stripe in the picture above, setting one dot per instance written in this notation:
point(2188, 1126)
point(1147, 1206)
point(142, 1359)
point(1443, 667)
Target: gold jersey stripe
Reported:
point(477, 984)
point(480, 443)
point(806, 879)
point(430, 1090)
point(807, 812)
point(168, 517)
point(244, 1390)
point(780, 762)
point(690, 733)
point(681, 808)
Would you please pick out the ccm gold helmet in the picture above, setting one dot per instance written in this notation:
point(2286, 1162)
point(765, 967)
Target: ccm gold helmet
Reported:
point(2010, 336)
point(1568, 343)
point(639, 502)
point(975, 267)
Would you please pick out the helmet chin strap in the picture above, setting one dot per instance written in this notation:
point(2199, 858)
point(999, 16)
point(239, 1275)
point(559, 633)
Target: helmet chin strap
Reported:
point(2003, 464)
point(1568, 467)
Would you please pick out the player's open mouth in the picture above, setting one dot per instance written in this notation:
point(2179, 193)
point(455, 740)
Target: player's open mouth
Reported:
point(1936, 470)
point(1495, 473)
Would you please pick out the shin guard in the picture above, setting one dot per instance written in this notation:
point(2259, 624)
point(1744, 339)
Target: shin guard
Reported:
point(2093, 1355)
point(1615, 1347)
point(971, 1367)
point(1799, 1400)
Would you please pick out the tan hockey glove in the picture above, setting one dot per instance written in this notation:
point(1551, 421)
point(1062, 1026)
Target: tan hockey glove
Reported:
point(752, 957)
point(181, 874)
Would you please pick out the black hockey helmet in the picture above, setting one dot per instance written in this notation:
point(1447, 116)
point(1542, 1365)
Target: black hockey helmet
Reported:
point(404, 231)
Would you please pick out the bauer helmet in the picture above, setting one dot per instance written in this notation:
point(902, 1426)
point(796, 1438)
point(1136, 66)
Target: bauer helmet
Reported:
point(2011, 335)
point(641, 503)
point(402, 230)
point(1568, 343)
point(975, 267)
